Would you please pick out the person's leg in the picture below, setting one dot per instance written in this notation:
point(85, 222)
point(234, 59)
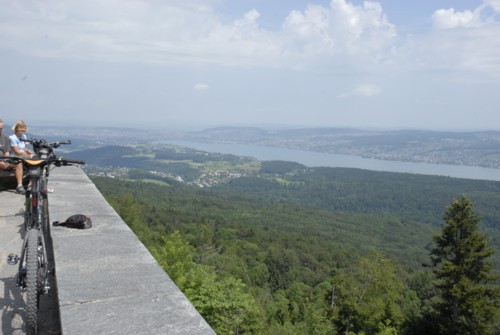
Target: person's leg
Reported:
point(19, 174)
point(19, 177)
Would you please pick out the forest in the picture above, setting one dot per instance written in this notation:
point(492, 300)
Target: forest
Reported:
point(286, 249)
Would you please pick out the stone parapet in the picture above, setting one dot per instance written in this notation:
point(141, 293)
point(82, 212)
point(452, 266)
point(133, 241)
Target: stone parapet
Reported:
point(107, 281)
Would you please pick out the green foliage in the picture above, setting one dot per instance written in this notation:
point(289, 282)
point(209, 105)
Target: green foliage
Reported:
point(468, 304)
point(281, 167)
point(385, 328)
point(113, 155)
point(137, 174)
point(222, 300)
point(182, 169)
point(328, 251)
point(408, 196)
point(368, 294)
point(196, 156)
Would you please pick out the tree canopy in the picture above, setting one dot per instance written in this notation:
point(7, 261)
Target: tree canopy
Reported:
point(275, 255)
point(467, 301)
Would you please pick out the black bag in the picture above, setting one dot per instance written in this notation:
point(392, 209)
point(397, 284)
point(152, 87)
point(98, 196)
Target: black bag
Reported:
point(77, 221)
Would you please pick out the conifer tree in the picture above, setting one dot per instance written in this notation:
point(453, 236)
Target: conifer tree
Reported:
point(468, 301)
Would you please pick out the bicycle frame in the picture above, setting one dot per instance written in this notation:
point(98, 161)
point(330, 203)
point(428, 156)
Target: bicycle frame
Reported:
point(33, 273)
point(36, 217)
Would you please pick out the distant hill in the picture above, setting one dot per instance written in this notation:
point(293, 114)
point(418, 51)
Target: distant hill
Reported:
point(408, 197)
point(480, 148)
point(473, 148)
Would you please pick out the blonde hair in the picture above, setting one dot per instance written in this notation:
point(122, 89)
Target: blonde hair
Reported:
point(19, 124)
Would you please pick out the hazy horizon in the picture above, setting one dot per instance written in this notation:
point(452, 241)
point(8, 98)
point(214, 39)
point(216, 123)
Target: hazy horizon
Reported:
point(197, 64)
point(267, 127)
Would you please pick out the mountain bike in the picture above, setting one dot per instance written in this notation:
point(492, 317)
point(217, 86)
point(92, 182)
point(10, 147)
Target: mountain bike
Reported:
point(34, 268)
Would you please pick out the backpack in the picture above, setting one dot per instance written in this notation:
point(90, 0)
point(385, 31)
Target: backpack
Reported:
point(77, 221)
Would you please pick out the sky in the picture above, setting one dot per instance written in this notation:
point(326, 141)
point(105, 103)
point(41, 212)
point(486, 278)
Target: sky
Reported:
point(194, 64)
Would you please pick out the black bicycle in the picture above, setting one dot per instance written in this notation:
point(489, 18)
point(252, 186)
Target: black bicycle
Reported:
point(34, 267)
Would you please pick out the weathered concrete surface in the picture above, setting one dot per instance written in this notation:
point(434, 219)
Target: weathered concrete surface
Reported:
point(108, 283)
point(11, 299)
point(12, 303)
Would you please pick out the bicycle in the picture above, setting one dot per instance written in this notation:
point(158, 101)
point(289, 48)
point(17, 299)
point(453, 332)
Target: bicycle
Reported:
point(34, 268)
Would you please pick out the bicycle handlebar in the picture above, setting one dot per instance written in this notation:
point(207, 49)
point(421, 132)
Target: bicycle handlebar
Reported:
point(44, 152)
point(57, 144)
point(43, 143)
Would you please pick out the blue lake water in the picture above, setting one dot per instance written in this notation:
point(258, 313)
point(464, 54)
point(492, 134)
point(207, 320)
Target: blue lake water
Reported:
point(312, 159)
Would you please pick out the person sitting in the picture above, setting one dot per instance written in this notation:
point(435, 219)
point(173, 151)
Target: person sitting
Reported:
point(16, 140)
point(4, 165)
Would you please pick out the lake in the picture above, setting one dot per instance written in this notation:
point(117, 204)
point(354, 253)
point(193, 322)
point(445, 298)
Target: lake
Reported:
point(312, 159)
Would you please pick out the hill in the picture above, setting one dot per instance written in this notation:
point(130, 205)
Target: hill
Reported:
point(473, 148)
point(408, 197)
point(286, 232)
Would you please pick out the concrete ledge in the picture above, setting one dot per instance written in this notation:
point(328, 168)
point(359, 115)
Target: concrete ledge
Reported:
point(107, 281)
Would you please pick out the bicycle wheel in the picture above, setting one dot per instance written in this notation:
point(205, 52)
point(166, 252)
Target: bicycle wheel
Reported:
point(44, 216)
point(27, 212)
point(32, 278)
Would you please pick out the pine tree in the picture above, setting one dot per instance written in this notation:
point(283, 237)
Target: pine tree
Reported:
point(468, 301)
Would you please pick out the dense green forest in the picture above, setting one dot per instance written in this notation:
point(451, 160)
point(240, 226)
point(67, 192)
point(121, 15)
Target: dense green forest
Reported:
point(286, 249)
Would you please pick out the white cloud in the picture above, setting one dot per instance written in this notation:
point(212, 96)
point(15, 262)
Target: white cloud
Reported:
point(364, 90)
point(464, 42)
point(335, 38)
point(494, 4)
point(201, 86)
point(249, 19)
point(369, 90)
point(153, 31)
point(341, 30)
point(450, 18)
point(335, 46)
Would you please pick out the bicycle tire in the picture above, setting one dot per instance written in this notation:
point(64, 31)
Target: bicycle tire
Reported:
point(44, 215)
point(32, 279)
point(27, 212)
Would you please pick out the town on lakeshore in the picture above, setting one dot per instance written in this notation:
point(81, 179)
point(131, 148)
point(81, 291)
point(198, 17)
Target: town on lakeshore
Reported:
point(479, 149)
point(475, 148)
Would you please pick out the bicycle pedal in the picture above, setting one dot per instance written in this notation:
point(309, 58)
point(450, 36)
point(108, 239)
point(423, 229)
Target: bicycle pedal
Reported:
point(46, 290)
point(12, 259)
